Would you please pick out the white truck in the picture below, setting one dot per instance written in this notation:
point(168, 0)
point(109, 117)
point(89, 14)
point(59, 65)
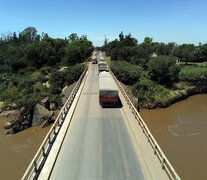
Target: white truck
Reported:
point(108, 90)
point(102, 59)
point(102, 66)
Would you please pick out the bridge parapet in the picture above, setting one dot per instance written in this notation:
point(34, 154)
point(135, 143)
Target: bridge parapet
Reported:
point(40, 157)
point(165, 163)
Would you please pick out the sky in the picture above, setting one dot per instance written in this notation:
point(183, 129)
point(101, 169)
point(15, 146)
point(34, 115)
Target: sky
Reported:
point(179, 21)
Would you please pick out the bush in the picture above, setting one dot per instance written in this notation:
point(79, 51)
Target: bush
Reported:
point(163, 70)
point(145, 89)
point(66, 77)
point(36, 76)
point(126, 72)
point(73, 73)
point(151, 93)
point(18, 64)
point(9, 94)
point(77, 51)
point(46, 69)
point(57, 79)
point(55, 98)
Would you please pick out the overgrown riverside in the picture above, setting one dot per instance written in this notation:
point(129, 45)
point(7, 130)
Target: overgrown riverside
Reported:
point(35, 66)
point(158, 74)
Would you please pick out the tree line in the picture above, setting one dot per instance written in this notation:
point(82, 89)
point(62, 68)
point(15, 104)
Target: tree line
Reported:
point(127, 48)
point(153, 70)
point(30, 49)
point(29, 59)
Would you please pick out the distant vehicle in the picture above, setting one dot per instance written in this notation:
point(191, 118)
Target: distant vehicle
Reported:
point(102, 59)
point(108, 91)
point(102, 66)
point(94, 60)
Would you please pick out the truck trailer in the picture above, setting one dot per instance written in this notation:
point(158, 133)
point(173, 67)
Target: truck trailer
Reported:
point(102, 59)
point(102, 66)
point(108, 90)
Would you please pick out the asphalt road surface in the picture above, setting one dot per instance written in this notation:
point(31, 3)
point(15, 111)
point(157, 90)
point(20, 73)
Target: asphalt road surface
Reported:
point(98, 144)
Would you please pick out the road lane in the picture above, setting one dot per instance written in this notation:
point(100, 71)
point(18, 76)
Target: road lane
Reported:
point(98, 144)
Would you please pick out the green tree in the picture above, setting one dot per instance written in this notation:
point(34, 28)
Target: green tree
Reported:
point(15, 39)
point(83, 37)
point(59, 47)
point(163, 70)
point(40, 53)
point(129, 41)
point(147, 40)
point(200, 53)
point(121, 36)
point(145, 89)
point(73, 37)
point(29, 34)
point(186, 52)
point(78, 51)
point(105, 41)
point(126, 72)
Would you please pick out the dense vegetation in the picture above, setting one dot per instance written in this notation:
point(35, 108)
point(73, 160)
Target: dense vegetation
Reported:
point(29, 60)
point(158, 73)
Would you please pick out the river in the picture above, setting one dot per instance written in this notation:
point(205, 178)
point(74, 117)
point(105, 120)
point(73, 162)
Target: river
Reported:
point(181, 131)
point(17, 151)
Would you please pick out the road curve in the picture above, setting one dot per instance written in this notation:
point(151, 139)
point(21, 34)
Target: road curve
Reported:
point(97, 144)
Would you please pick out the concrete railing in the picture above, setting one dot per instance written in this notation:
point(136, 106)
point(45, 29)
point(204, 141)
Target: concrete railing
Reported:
point(39, 159)
point(165, 164)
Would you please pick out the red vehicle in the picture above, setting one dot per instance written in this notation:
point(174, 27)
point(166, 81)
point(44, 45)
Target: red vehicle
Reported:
point(108, 91)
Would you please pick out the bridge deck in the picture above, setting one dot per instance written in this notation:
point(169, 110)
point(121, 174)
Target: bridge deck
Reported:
point(98, 144)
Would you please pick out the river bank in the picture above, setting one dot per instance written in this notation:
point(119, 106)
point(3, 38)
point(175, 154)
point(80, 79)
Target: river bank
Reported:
point(166, 99)
point(173, 96)
point(151, 92)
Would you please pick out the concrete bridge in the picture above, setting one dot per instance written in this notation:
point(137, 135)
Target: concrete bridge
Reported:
point(90, 142)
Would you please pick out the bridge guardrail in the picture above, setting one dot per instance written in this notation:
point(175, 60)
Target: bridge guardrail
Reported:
point(40, 157)
point(165, 164)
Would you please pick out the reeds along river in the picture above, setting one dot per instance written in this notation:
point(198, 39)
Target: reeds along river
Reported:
point(17, 151)
point(181, 131)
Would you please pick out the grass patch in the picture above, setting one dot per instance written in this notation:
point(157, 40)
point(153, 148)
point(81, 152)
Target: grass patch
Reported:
point(199, 64)
point(193, 75)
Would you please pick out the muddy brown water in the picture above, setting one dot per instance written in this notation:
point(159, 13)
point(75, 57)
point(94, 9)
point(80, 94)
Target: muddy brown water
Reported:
point(181, 131)
point(17, 151)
